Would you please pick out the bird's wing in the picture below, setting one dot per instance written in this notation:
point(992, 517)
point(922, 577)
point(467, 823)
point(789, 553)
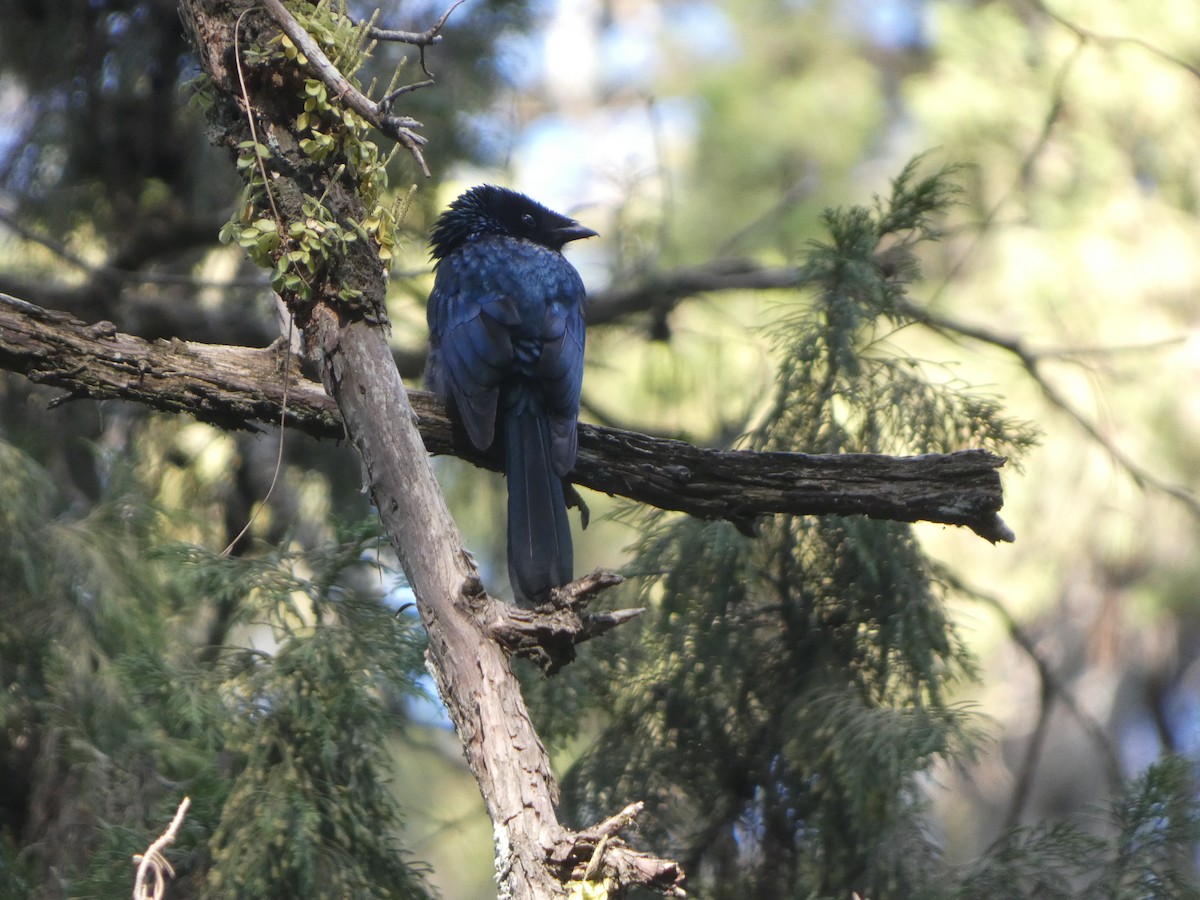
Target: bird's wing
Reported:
point(472, 348)
point(560, 372)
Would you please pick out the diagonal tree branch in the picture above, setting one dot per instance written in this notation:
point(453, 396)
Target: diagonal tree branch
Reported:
point(242, 387)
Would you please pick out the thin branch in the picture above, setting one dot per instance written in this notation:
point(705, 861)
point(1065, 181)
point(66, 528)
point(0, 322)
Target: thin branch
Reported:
point(1078, 354)
point(660, 293)
point(399, 128)
point(582, 591)
point(152, 862)
point(1031, 361)
point(548, 636)
point(183, 236)
point(1049, 120)
point(799, 191)
point(422, 39)
point(583, 855)
point(386, 101)
point(57, 247)
point(1050, 688)
point(1086, 34)
point(1023, 786)
point(431, 35)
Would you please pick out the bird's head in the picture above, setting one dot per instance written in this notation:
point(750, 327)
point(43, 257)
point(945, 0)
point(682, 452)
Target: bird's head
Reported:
point(491, 210)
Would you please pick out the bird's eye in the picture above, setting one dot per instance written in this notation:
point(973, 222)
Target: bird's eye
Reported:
point(527, 220)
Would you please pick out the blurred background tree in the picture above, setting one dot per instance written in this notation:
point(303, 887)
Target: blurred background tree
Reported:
point(797, 709)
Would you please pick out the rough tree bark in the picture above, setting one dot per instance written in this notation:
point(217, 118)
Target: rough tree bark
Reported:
point(242, 387)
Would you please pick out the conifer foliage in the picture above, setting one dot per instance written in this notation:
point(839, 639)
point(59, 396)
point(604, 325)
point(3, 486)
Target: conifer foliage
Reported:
point(116, 704)
point(789, 691)
point(779, 706)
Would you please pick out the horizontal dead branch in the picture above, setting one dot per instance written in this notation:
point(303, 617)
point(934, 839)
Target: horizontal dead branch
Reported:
point(241, 387)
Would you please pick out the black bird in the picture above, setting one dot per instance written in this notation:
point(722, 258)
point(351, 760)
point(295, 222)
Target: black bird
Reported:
point(506, 336)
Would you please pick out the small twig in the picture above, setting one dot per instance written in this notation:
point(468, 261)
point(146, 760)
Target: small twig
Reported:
point(107, 270)
point(1033, 751)
point(1050, 688)
point(1050, 119)
point(614, 823)
point(385, 102)
point(1086, 34)
point(421, 39)
point(596, 624)
point(1031, 361)
point(599, 851)
point(56, 247)
point(580, 592)
point(593, 865)
point(431, 35)
point(548, 635)
point(153, 861)
point(319, 65)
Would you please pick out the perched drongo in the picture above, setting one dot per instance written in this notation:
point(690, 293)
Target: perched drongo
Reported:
point(506, 336)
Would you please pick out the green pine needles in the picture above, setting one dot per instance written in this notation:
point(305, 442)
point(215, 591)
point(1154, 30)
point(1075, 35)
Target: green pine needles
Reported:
point(779, 707)
point(1141, 847)
point(308, 810)
point(116, 703)
point(786, 694)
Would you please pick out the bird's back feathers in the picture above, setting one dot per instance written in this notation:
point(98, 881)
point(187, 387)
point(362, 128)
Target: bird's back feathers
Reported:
point(506, 323)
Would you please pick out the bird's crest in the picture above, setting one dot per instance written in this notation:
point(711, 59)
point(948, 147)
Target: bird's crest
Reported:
point(491, 210)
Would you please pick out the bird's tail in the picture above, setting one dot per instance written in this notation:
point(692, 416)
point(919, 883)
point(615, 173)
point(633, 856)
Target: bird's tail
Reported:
point(539, 533)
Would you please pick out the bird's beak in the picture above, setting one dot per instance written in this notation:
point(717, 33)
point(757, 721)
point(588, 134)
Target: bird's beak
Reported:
point(574, 232)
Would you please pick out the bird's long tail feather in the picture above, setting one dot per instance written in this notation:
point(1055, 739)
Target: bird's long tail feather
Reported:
point(539, 532)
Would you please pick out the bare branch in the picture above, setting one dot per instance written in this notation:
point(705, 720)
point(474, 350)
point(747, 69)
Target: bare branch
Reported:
point(613, 823)
point(144, 244)
point(1050, 689)
point(55, 246)
point(548, 635)
point(242, 387)
point(420, 39)
point(598, 850)
point(659, 293)
point(580, 592)
point(153, 863)
point(1031, 361)
point(424, 38)
point(1087, 35)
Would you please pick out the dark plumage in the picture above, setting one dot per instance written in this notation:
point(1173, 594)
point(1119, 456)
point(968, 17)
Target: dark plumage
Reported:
point(506, 336)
